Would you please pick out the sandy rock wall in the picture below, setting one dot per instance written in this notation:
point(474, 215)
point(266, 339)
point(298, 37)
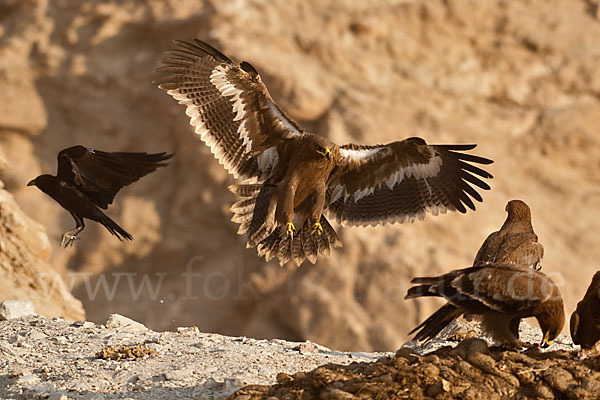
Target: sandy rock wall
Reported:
point(24, 269)
point(520, 79)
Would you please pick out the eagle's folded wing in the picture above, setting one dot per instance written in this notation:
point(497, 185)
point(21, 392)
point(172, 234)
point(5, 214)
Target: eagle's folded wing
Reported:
point(403, 180)
point(522, 248)
point(502, 288)
point(487, 252)
point(100, 175)
point(229, 107)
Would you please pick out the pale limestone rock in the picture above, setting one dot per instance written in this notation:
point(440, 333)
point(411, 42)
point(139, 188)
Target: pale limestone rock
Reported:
point(120, 322)
point(11, 309)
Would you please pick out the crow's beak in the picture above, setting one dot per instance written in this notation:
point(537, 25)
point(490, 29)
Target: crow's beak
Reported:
point(31, 183)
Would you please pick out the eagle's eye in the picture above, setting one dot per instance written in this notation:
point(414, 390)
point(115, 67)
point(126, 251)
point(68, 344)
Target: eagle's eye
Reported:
point(324, 152)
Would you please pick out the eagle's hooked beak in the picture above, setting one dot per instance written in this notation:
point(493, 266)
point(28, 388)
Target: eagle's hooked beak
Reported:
point(326, 153)
point(545, 341)
point(31, 183)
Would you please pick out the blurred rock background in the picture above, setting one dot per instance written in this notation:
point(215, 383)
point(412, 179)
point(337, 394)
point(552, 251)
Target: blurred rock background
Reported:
point(519, 78)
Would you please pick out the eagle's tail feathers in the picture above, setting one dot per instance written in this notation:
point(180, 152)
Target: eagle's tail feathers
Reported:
point(252, 211)
point(284, 253)
point(436, 322)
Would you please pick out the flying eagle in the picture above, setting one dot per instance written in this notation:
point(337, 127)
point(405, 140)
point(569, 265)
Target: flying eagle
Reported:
point(502, 294)
point(515, 242)
point(585, 320)
point(292, 178)
point(87, 181)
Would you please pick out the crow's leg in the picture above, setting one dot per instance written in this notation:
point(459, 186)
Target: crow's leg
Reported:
point(69, 237)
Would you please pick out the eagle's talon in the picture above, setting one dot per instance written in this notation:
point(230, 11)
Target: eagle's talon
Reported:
point(290, 230)
point(317, 228)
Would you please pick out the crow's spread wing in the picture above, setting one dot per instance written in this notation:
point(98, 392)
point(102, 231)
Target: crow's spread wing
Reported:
point(100, 175)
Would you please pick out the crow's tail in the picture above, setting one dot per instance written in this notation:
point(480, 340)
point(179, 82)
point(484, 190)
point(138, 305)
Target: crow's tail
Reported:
point(115, 229)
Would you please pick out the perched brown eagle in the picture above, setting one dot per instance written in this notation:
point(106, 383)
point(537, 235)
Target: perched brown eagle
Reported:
point(502, 294)
point(585, 320)
point(292, 177)
point(515, 242)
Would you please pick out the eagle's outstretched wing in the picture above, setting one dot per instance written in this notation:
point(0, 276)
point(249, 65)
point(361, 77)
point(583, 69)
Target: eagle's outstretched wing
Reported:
point(100, 175)
point(229, 107)
point(403, 180)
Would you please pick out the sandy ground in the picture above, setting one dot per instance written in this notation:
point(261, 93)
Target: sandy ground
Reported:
point(42, 357)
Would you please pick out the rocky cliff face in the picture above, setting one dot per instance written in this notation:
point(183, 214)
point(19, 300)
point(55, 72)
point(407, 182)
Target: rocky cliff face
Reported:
point(520, 79)
point(24, 269)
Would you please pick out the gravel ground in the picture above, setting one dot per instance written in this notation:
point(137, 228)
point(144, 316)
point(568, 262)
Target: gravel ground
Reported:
point(50, 358)
point(462, 366)
point(59, 360)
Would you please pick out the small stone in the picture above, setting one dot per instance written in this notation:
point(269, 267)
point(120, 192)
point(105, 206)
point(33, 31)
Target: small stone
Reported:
point(83, 324)
point(60, 340)
point(36, 334)
point(178, 375)
point(121, 322)
point(155, 346)
point(57, 396)
point(143, 377)
point(94, 396)
point(11, 309)
point(38, 390)
point(336, 394)
point(307, 347)
point(188, 329)
point(6, 348)
point(27, 378)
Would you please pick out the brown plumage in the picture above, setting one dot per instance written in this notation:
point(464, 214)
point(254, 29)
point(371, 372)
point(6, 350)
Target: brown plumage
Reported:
point(87, 180)
point(293, 178)
point(502, 294)
point(515, 242)
point(585, 320)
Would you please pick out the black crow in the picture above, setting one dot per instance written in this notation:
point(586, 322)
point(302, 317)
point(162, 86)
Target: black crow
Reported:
point(88, 179)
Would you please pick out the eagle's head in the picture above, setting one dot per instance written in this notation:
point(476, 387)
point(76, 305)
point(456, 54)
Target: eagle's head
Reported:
point(518, 209)
point(325, 148)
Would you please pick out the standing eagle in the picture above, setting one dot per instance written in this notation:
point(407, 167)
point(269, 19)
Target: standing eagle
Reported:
point(585, 320)
point(292, 177)
point(515, 242)
point(502, 294)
